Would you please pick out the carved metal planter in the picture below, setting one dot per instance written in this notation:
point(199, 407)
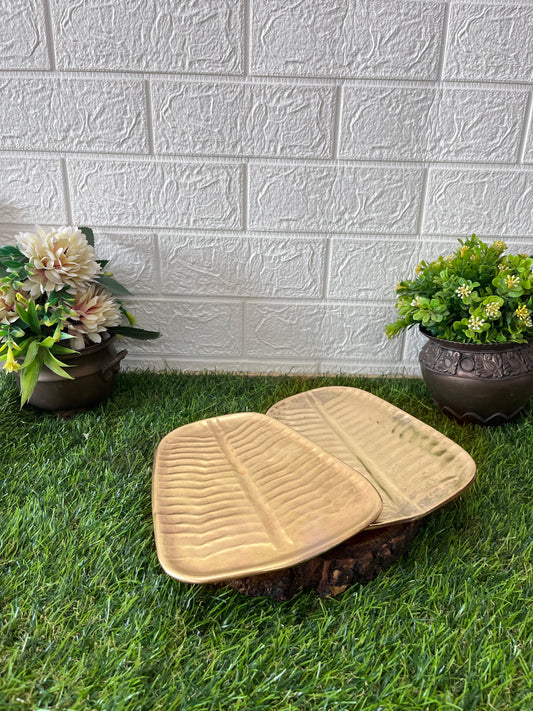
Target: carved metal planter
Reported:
point(94, 371)
point(485, 384)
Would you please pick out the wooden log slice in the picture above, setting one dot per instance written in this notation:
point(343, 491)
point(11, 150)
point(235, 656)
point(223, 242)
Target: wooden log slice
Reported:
point(357, 560)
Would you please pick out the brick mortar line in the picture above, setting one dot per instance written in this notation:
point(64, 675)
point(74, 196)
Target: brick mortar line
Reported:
point(326, 270)
point(49, 32)
point(525, 129)
point(289, 161)
point(157, 264)
point(245, 197)
point(66, 190)
point(423, 200)
point(260, 161)
point(266, 80)
point(149, 118)
point(444, 41)
point(430, 237)
point(259, 300)
point(244, 337)
point(247, 38)
point(355, 237)
point(337, 121)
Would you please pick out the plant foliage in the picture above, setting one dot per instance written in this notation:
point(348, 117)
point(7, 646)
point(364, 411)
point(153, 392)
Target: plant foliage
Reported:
point(475, 295)
point(47, 312)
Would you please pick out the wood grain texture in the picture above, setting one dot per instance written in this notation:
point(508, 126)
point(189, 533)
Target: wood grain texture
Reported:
point(415, 468)
point(357, 560)
point(243, 494)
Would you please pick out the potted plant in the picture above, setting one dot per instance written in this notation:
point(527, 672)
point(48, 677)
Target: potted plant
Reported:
point(59, 319)
point(475, 307)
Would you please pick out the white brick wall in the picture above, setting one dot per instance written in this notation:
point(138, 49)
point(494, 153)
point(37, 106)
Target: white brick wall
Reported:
point(215, 118)
point(372, 39)
point(261, 173)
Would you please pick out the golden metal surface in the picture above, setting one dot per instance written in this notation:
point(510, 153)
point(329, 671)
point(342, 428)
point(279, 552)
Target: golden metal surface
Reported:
point(244, 494)
point(415, 468)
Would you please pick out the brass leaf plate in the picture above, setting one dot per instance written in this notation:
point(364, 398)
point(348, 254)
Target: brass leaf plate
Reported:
point(415, 468)
point(244, 494)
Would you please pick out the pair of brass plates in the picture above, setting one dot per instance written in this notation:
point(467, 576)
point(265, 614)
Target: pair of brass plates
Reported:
point(248, 493)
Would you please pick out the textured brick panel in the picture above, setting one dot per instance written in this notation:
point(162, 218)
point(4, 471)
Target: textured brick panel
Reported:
point(189, 329)
point(131, 259)
point(481, 201)
point(347, 39)
point(443, 246)
point(73, 115)
point(31, 190)
point(149, 35)
point(155, 194)
point(23, 35)
point(242, 119)
point(342, 200)
point(365, 269)
point(414, 341)
point(383, 123)
point(240, 266)
point(319, 331)
point(489, 43)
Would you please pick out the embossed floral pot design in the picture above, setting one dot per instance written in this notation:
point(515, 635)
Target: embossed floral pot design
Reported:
point(487, 384)
point(94, 370)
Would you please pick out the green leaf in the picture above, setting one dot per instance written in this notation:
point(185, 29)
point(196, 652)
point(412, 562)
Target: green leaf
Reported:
point(112, 285)
point(33, 320)
point(56, 366)
point(11, 263)
point(31, 354)
point(132, 332)
point(61, 350)
point(13, 255)
point(28, 379)
point(22, 314)
point(89, 235)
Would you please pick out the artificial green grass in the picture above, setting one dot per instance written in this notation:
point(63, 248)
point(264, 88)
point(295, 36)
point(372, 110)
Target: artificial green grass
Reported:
point(90, 620)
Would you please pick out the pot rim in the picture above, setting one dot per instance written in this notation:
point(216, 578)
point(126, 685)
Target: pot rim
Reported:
point(475, 347)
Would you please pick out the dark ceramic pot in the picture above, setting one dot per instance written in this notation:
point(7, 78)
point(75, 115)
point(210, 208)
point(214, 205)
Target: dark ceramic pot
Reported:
point(485, 384)
point(94, 371)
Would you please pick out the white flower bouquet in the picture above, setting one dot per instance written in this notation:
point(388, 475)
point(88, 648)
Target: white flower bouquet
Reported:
point(56, 299)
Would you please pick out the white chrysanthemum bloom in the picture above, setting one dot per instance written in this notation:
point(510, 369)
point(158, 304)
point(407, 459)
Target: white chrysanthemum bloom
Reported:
point(58, 258)
point(8, 299)
point(93, 312)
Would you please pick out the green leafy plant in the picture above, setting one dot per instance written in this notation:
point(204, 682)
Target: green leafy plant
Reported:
point(475, 295)
point(55, 299)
